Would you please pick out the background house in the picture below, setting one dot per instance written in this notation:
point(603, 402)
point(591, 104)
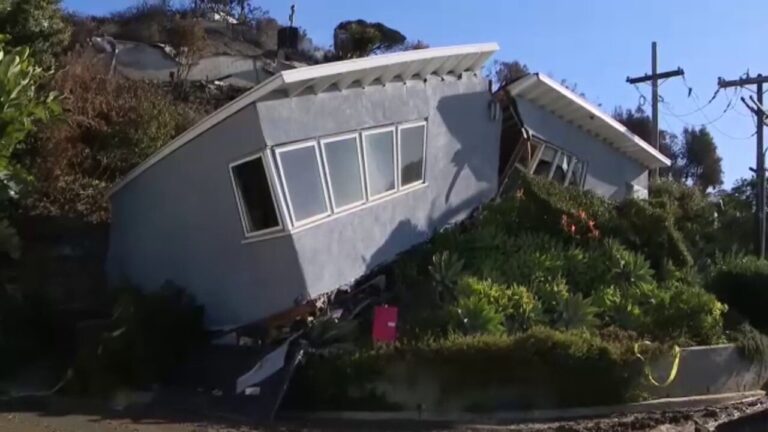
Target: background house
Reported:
point(310, 180)
point(550, 131)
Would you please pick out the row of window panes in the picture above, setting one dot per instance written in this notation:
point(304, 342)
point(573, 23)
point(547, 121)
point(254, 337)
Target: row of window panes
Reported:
point(354, 175)
point(545, 160)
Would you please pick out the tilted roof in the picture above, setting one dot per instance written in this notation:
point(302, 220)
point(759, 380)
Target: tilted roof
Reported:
point(342, 74)
point(552, 96)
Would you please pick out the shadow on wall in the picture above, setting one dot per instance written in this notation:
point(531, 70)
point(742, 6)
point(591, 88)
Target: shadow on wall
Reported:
point(407, 234)
point(464, 116)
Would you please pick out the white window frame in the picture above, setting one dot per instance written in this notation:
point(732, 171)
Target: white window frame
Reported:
point(395, 164)
point(399, 168)
point(327, 172)
point(244, 218)
point(286, 148)
point(558, 151)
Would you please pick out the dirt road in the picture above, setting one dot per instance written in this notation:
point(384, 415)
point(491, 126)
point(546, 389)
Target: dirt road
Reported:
point(67, 416)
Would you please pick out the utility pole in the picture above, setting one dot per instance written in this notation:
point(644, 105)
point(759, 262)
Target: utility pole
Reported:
point(757, 81)
point(654, 78)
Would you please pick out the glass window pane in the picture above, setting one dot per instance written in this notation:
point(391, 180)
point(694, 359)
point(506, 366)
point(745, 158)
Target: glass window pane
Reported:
point(412, 155)
point(577, 174)
point(255, 195)
point(342, 160)
point(561, 169)
point(545, 162)
point(303, 182)
point(380, 162)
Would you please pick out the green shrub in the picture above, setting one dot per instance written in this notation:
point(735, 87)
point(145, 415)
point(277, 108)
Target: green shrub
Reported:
point(545, 368)
point(474, 315)
point(576, 312)
point(685, 312)
point(741, 282)
point(513, 306)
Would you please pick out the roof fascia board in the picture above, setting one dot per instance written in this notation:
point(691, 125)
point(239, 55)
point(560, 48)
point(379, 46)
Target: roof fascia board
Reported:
point(656, 159)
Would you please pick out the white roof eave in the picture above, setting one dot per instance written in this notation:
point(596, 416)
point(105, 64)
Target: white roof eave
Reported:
point(422, 62)
point(541, 90)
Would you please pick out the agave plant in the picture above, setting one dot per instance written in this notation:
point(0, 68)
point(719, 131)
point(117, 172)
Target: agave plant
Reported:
point(445, 269)
point(577, 312)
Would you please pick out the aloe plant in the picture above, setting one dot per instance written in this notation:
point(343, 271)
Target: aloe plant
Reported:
point(577, 312)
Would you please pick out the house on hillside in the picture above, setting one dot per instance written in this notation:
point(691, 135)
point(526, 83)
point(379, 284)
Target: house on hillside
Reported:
point(310, 180)
point(550, 131)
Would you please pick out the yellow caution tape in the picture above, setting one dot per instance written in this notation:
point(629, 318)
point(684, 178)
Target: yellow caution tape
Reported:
point(675, 364)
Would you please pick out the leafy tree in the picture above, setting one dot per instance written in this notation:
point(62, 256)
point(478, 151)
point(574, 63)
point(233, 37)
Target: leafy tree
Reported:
point(112, 124)
point(23, 107)
point(702, 166)
point(639, 123)
point(360, 38)
point(39, 25)
point(504, 72)
point(736, 216)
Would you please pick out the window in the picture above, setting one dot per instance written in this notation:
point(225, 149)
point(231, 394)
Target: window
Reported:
point(577, 174)
point(411, 146)
point(344, 169)
point(379, 147)
point(545, 160)
point(255, 199)
point(528, 151)
point(544, 164)
point(303, 181)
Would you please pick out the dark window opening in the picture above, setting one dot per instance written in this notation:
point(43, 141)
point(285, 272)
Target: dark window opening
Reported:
point(257, 203)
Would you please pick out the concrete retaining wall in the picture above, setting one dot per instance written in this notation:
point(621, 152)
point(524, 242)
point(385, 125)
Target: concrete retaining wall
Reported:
point(708, 370)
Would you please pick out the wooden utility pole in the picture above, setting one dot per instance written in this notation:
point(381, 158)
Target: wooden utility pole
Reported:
point(757, 81)
point(654, 78)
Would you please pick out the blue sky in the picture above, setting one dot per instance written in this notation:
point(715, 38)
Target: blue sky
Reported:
point(593, 43)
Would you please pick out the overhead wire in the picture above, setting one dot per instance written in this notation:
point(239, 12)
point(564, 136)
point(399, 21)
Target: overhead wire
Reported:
point(729, 106)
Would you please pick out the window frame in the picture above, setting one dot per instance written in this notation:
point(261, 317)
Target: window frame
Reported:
point(286, 148)
point(395, 167)
point(542, 143)
point(327, 172)
point(398, 167)
point(244, 217)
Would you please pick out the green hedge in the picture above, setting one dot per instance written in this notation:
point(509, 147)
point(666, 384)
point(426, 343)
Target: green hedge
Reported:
point(741, 282)
point(550, 368)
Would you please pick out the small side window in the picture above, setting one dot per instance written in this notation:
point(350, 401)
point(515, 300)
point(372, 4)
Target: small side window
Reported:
point(254, 196)
point(412, 146)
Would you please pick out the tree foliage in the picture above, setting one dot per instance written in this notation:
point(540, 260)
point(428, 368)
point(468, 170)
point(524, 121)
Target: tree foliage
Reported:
point(38, 25)
point(23, 106)
point(639, 123)
point(111, 125)
point(360, 38)
point(702, 166)
point(505, 72)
